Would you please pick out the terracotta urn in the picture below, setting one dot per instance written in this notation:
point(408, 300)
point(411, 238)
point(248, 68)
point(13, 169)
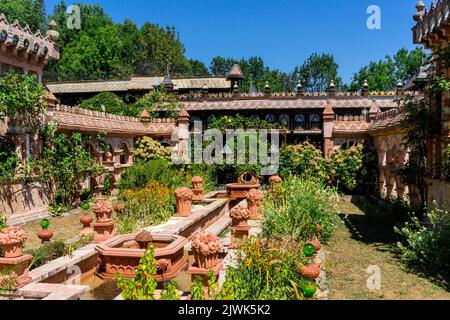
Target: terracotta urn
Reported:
point(11, 241)
point(310, 272)
point(255, 198)
point(206, 247)
point(313, 228)
point(86, 220)
point(183, 198)
point(143, 239)
point(316, 243)
point(275, 182)
point(45, 235)
point(103, 210)
point(197, 188)
point(239, 216)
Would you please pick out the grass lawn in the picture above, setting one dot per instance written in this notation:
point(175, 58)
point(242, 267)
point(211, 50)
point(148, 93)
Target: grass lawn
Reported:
point(364, 238)
point(64, 228)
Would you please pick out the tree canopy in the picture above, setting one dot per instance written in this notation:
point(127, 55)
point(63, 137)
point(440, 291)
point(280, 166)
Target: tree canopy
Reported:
point(103, 49)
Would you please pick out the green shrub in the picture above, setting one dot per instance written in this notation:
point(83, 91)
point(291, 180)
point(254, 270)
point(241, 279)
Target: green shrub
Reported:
point(110, 103)
point(303, 159)
point(152, 205)
point(264, 273)
point(142, 172)
point(57, 210)
point(8, 159)
point(50, 251)
point(149, 149)
point(426, 244)
point(300, 202)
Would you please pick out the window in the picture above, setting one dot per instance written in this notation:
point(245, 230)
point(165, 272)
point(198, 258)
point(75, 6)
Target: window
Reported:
point(284, 118)
point(254, 117)
point(299, 122)
point(314, 122)
point(271, 118)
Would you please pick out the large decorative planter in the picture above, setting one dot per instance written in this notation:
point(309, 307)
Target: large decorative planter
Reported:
point(11, 241)
point(183, 198)
point(239, 226)
point(255, 198)
point(206, 247)
point(122, 255)
point(104, 225)
point(197, 188)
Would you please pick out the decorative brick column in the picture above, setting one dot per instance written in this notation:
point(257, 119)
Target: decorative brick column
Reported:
point(205, 247)
point(11, 241)
point(183, 197)
point(328, 123)
point(255, 198)
point(239, 227)
point(104, 225)
point(197, 188)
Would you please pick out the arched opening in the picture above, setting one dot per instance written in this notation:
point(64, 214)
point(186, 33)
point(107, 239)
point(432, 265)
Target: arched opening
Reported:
point(314, 122)
point(299, 122)
point(125, 154)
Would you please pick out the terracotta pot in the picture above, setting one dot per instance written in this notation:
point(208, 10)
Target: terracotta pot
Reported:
point(45, 235)
point(239, 222)
point(86, 220)
point(316, 243)
point(12, 250)
point(311, 272)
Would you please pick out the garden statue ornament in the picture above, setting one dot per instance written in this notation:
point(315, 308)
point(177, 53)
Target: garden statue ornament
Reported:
point(104, 225)
point(255, 198)
point(197, 188)
point(239, 226)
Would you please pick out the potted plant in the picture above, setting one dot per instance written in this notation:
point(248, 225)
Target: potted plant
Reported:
point(45, 234)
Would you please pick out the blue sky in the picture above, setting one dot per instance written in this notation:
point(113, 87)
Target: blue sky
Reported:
point(283, 32)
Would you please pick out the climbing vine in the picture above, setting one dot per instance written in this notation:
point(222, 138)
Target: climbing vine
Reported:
point(22, 99)
point(64, 164)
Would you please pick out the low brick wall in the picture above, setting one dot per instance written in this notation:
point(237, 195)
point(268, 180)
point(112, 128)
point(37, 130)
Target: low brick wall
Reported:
point(17, 198)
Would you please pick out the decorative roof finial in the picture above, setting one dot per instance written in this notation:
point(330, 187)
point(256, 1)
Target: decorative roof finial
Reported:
point(365, 84)
point(52, 32)
point(332, 84)
point(420, 6)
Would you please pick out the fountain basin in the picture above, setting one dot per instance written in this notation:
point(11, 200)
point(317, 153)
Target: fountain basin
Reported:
point(121, 255)
point(239, 191)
